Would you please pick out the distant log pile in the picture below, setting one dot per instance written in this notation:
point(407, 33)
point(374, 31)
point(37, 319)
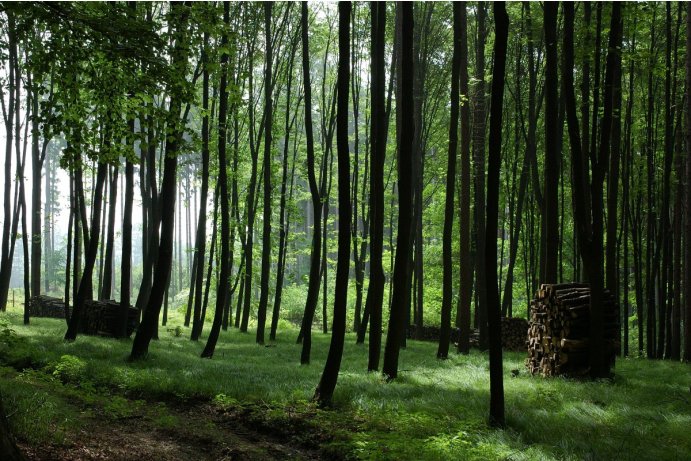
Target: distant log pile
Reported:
point(514, 333)
point(558, 335)
point(103, 318)
point(46, 306)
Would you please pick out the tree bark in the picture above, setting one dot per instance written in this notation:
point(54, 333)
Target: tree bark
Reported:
point(327, 384)
point(266, 231)
point(447, 287)
point(401, 287)
point(375, 291)
point(496, 405)
point(550, 202)
point(479, 180)
point(466, 267)
point(224, 276)
point(687, 210)
point(315, 258)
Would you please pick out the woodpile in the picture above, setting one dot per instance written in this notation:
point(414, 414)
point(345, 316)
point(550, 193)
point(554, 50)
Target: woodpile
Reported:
point(558, 335)
point(102, 318)
point(46, 306)
point(514, 333)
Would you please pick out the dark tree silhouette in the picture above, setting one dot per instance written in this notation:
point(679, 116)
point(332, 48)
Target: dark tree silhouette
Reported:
point(501, 27)
point(224, 275)
point(401, 285)
point(266, 234)
point(324, 393)
point(447, 295)
point(375, 292)
point(149, 324)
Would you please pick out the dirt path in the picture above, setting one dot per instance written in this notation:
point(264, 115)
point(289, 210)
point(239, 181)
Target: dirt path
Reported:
point(179, 432)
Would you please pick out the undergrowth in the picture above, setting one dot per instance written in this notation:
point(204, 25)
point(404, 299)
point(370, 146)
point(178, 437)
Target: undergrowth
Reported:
point(435, 410)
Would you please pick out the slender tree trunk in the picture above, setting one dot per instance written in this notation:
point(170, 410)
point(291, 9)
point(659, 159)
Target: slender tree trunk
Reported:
point(687, 208)
point(375, 291)
point(479, 182)
point(224, 276)
point(401, 288)
point(149, 324)
point(36, 166)
point(447, 293)
point(466, 267)
point(315, 258)
point(6, 257)
point(550, 202)
point(266, 232)
point(283, 224)
point(200, 244)
point(327, 384)
point(496, 405)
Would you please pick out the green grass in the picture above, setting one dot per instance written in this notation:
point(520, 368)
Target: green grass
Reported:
point(435, 410)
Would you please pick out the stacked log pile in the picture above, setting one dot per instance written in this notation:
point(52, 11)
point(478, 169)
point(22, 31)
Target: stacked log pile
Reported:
point(46, 306)
point(514, 333)
point(558, 335)
point(102, 318)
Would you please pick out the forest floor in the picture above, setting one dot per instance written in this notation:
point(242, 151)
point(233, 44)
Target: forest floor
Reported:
point(83, 400)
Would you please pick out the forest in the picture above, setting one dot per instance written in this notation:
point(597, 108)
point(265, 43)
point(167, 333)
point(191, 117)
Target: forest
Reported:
point(345, 230)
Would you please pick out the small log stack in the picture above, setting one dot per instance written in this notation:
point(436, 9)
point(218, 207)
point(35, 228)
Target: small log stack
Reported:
point(102, 318)
point(46, 306)
point(558, 335)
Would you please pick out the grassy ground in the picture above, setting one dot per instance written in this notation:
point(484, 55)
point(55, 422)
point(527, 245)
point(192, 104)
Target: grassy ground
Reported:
point(435, 410)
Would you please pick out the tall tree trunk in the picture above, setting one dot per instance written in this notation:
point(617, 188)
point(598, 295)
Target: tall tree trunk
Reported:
point(550, 202)
point(6, 257)
point(650, 271)
point(496, 405)
point(664, 229)
point(588, 216)
point(401, 288)
point(200, 243)
point(283, 223)
point(224, 276)
point(479, 180)
point(375, 291)
point(162, 269)
point(36, 166)
point(611, 259)
point(466, 267)
point(687, 208)
point(315, 258)
point(447, 288)
point(324, 392)
point(266, 231)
